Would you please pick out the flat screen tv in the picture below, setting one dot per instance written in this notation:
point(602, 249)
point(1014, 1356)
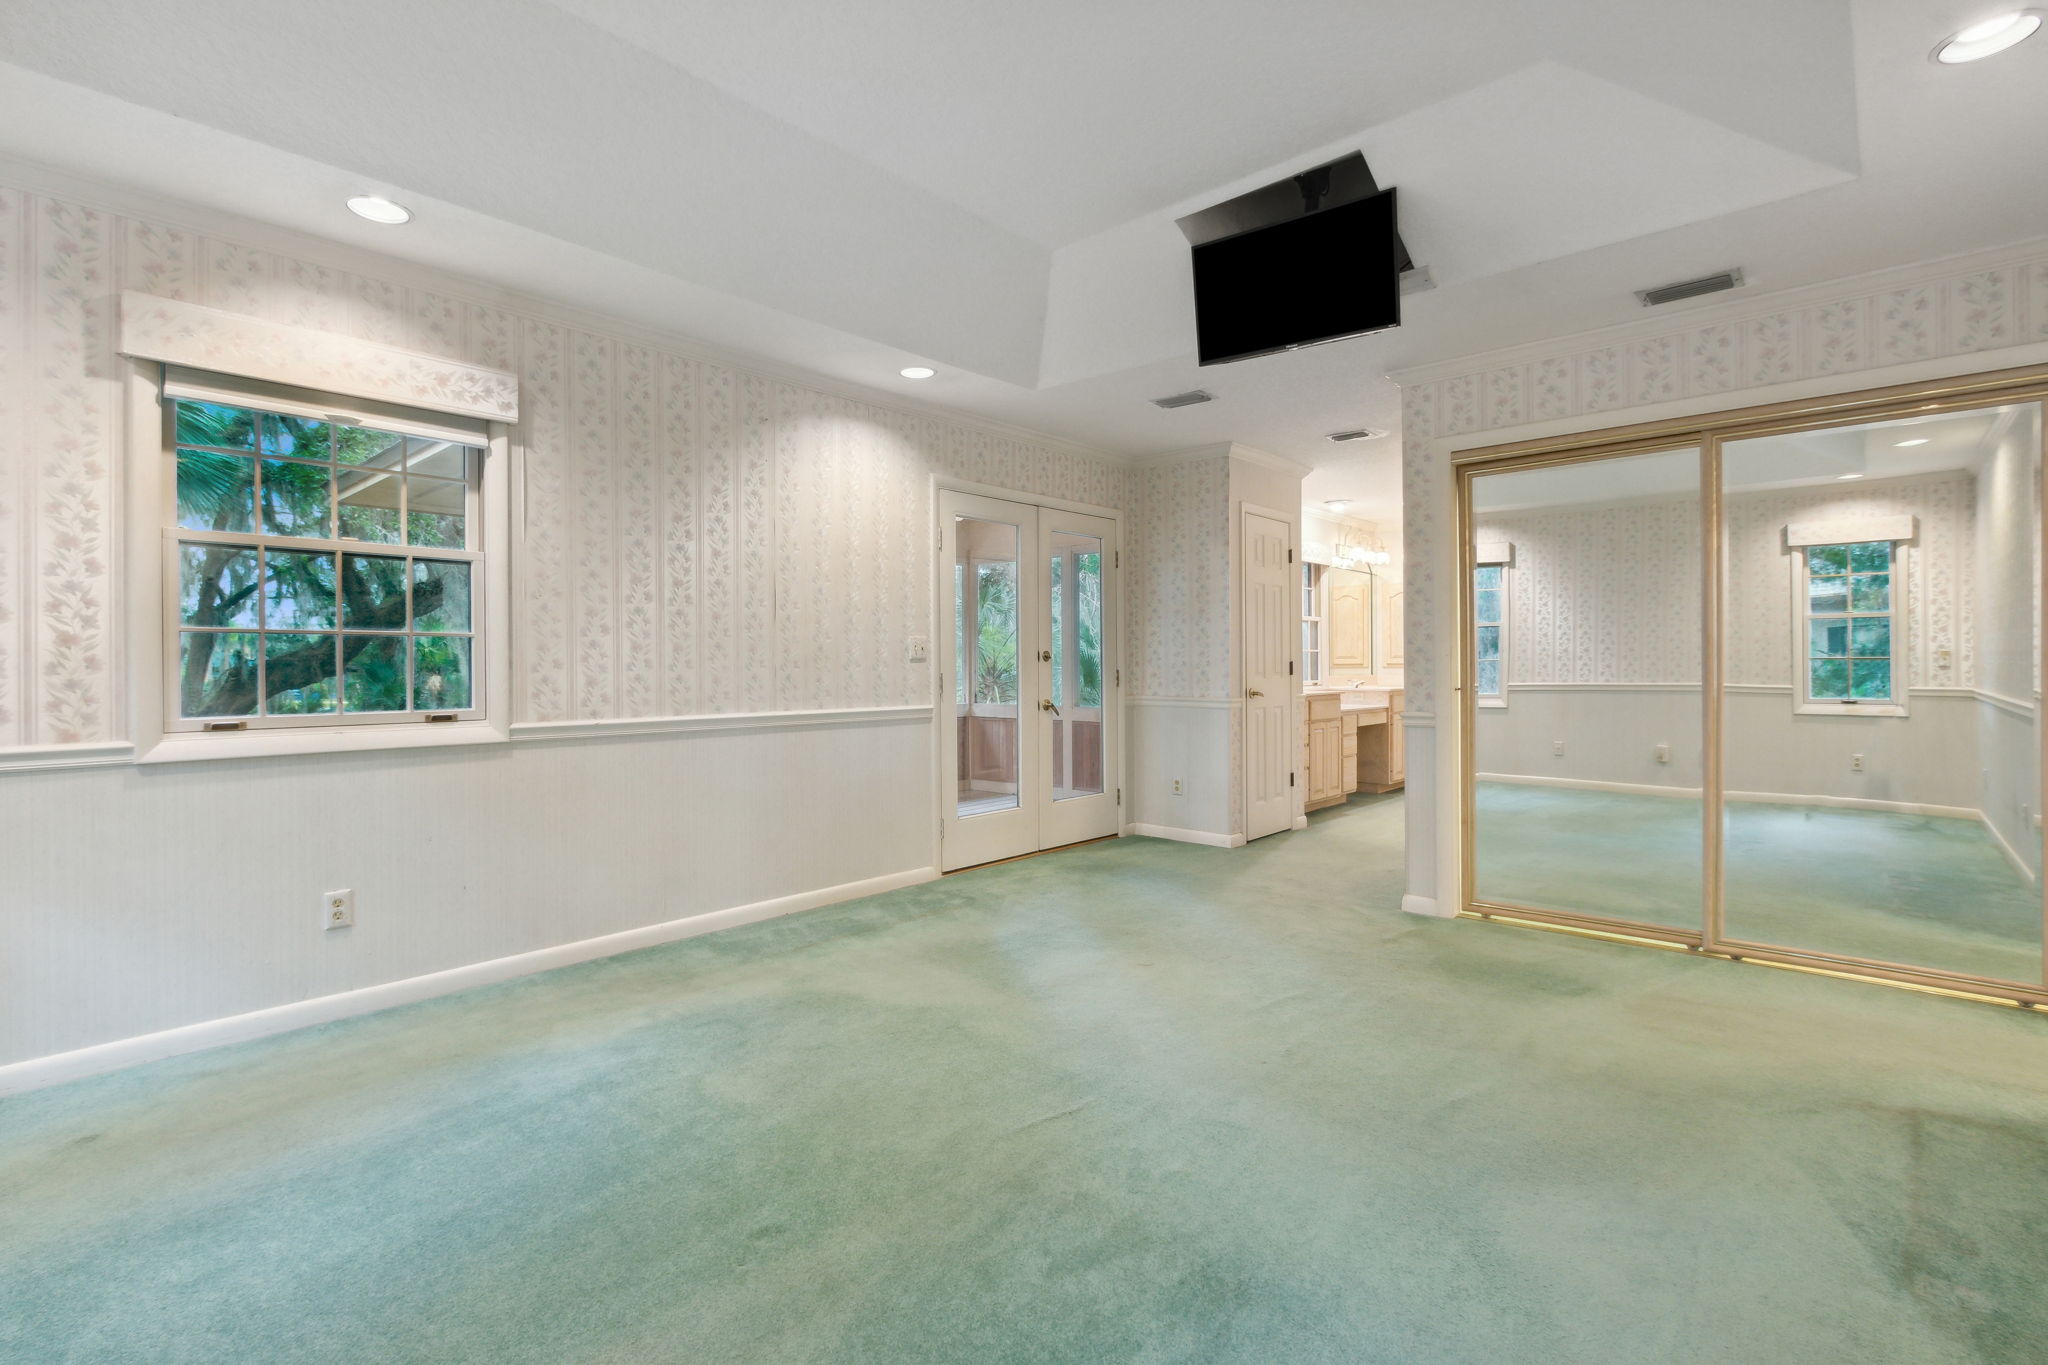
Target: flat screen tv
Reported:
point(1327, 275)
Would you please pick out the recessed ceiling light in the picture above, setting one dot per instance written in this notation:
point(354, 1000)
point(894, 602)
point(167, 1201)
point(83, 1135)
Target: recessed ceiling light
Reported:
point(378, 209)
point(1337, 504)
point(1916, 441)
point(1848, 476)
point(917, 372)
point(1992, 36)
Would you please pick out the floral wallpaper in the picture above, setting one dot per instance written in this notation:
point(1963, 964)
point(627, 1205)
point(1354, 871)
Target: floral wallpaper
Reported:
point(1611, 594)
point(698, 537)
point(1179, 581)
point(1948, 311)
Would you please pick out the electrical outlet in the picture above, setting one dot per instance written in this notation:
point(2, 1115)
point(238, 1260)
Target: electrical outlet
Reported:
point(1663, 753)
point(1855, 763)
point(1176, 787)
point(338, 909)
point(1557, 747)
point(920, 650)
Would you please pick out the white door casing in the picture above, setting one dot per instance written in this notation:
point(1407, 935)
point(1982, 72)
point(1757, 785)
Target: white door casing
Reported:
point(1271, 632)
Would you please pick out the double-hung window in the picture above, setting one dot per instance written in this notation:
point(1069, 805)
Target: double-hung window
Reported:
point(323, 565)
point(1851, 615)
point(1311, 622)
point(1489, 621)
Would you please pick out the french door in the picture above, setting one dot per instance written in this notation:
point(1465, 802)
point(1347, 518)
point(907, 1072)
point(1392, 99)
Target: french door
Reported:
point(1027, 678)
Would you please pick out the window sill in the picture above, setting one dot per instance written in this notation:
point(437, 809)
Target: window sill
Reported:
point(202, 747)
point(1492, 703)
point(1835, 708)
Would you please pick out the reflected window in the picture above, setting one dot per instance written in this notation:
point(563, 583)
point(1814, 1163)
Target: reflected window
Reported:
point(1850, 614)
point(1488, 625)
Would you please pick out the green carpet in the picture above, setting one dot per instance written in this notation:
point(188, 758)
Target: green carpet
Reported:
point(1929, 891)
point(1138, 1102)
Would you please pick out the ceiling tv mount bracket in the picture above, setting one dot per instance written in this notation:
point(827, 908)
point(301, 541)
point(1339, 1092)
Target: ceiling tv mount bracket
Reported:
point(1343, 181)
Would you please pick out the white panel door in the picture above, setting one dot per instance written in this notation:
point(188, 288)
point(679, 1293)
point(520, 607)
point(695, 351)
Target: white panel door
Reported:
point(1271, 633)
point(1028, 679)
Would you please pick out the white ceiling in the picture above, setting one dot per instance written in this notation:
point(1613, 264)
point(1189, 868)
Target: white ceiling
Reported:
point(990, 188)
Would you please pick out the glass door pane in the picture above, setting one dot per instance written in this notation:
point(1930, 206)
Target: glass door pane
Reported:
point(1074, 563)
point(986, 689)
point(1881, 749)
point(1584, 608)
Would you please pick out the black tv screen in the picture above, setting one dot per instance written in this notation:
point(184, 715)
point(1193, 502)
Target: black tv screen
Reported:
point(1329, 274)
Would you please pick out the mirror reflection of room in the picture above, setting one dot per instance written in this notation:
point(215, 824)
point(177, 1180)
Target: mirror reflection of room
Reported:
point(1353, 694)
point(1882, 751)
point(1585, 611)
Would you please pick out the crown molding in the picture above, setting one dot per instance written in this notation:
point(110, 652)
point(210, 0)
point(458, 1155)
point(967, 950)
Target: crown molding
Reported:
point(1740, 308)
point(1221, 450)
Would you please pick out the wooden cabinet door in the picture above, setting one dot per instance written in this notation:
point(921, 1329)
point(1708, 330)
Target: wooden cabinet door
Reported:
point(1393, 626)
point(1325, 760)
point(1349, 609)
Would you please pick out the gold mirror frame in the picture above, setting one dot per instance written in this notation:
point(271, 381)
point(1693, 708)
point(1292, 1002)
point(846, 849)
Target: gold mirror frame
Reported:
point(1709, 432)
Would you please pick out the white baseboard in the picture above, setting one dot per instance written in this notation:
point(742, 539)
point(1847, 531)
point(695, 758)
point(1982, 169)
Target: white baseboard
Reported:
point(1189, 836)
point(1423, 905)
point(1587, 784)
point(38, 1072)
point(1758, 798)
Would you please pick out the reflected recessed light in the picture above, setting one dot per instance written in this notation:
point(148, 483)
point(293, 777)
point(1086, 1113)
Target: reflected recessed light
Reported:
point(378, 209)
point(1916, 441)
point(917, 372)
point(1991, 36)
point(1848, 476)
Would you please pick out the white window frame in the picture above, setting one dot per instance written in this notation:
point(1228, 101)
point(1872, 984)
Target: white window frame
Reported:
point(1804, 702)
point(1492, 556)
point(1312, 589)
point(152, 580)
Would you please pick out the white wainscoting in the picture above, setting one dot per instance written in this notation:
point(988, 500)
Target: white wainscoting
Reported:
point(1187, 738)
point(140, 900)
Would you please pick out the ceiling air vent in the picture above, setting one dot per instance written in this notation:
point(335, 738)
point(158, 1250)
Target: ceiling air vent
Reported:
point(1184, 400)
point(1355, 434)
point(1690, 289)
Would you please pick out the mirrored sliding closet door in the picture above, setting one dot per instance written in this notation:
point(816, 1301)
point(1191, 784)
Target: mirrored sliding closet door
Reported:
point(1584, 678)
point(1880, 722)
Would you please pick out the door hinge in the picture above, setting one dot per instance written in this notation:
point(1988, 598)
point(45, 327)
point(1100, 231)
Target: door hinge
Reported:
point(1116, 559)
point(1290, 668)
point(1119, 796)
point(1119, 677)
point(1290, 779)
point(1290, 556)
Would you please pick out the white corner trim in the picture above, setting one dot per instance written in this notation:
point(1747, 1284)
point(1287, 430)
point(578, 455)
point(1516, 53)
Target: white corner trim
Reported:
point(1189, 836)
point(46, 757)
point(1424, 905)
point(180, 333)
point(2012, 856)
point(747, 720)
point(149, 1047)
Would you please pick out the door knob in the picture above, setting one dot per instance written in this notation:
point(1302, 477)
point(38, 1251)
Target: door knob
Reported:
point(1255, 693)
point(1045, 705)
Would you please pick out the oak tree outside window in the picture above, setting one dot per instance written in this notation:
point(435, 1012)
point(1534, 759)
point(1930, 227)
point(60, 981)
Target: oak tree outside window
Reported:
point(321, 570)
point(1850, 613)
